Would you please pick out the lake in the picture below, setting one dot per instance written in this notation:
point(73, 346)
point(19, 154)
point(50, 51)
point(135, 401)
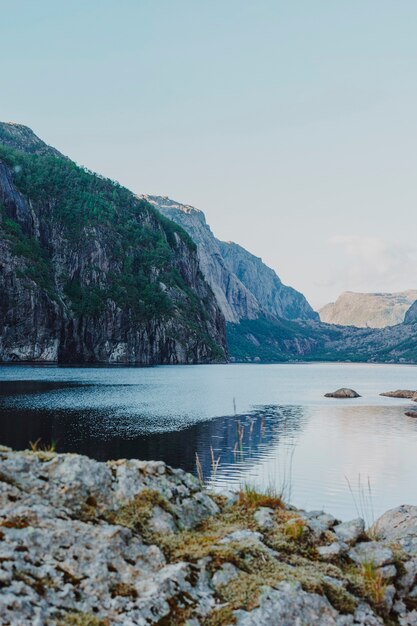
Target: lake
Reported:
point(267, 425)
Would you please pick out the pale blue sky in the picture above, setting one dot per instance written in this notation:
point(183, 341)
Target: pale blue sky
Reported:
point(291, 124)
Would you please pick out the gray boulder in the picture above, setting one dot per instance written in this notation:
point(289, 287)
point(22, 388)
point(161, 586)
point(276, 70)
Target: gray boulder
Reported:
point(350, 532)
point(342, 393)
point(406, 394)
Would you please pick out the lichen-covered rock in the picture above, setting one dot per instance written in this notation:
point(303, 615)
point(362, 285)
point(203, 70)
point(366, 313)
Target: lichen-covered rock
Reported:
point(138, 543)
point(351, 531)
point(399, 525)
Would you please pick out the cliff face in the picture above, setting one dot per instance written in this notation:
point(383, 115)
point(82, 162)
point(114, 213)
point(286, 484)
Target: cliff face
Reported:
point(368, 310)
point(411, 314)
point(234, 299)
point(90, 273)
point(245, 287)
point(275, 298)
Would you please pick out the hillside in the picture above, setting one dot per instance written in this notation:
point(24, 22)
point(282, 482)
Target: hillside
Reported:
point(90, 273)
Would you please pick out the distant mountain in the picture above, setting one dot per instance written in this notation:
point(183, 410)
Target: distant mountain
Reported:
point(244, 286)
point(411, 315)
point(368, 310)
point(90, 273)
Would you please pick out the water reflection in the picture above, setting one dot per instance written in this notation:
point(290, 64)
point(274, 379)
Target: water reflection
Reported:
point(284, 433)
point(236, 442)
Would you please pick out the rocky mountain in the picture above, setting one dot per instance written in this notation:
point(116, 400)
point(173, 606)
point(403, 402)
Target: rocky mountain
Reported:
point(411, 314)
point(277, 340)
point(91, 273)
point(244, 286)
point(275, 298)
point(234, 299)
point(368, 310)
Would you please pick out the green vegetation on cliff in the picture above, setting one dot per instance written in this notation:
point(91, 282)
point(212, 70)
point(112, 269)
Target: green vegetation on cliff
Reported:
point(92, 245)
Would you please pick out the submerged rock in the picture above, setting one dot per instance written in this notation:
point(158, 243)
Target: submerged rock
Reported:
point(344, 392)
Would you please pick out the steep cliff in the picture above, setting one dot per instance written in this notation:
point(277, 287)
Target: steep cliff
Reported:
point(368, 310)
point(234, 299)
point(244, 286)
point(275, 298)
point(91, 273)
point(411, 314)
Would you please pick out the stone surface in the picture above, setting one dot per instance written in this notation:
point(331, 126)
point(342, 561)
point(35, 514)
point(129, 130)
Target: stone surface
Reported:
point(331, 551)
point(342, 393)
point(350, 532)
point(264, 518)
point(371, 552)
point(400, 393)
point(89, 543)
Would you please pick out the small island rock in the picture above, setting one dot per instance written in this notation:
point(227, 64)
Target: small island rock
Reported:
point(343, 393)
point(400, 393)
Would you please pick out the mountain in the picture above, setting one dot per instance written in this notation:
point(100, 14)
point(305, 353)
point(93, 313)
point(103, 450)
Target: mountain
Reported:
point(91, 273)
point(275, 298)
point(411, 314)
point(234, 299)
point(368, 310)
point(244, 286)
point(267, 340)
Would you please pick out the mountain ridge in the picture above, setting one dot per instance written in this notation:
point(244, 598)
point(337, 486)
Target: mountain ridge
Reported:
point(90, 273)
point(246, 288)
point(368, 310)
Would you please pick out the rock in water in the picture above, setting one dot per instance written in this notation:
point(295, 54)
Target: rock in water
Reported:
point(342, 393)
point(411, 413)
point(400, 393)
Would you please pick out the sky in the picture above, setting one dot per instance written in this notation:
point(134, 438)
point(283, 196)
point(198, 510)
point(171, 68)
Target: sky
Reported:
point(291, 124)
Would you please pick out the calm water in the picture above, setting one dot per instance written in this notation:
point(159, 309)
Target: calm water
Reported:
point(269, 424)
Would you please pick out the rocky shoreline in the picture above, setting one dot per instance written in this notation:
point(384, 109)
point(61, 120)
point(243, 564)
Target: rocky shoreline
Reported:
point(129, 542)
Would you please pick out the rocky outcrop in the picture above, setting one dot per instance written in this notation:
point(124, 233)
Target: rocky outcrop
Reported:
point(368, 310)
point(342, 393)
point(400, 393)
point(139, 543)
point(89, 273)
point(244, 286)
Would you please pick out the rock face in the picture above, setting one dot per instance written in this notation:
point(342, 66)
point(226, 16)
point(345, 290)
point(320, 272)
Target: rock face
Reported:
point(139, 543)
point(276, 299)
point(89, 273)
point(244, 286)
point(369, 310)
point(234, 299)
point(411, 314)
point(342, 393)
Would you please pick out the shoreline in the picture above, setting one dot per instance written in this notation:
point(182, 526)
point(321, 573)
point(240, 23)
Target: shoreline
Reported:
point(133, 542)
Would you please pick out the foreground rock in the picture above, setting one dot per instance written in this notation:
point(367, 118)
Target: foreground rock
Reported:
point(137, 543)
point(343, 393)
